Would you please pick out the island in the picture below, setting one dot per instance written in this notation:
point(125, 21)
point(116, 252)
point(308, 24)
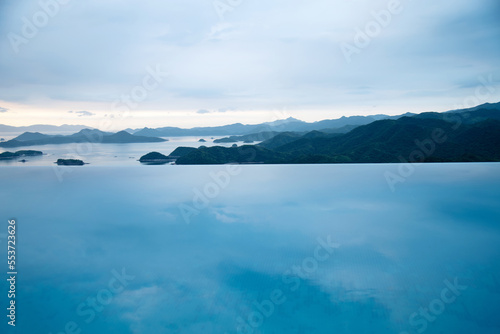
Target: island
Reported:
point(69, 162)
point(155, 158)
point(23, 153)
point(202, 140)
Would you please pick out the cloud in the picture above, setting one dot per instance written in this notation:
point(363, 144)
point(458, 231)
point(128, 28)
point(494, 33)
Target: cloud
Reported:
point(81, 113)
point(221, 31)
point(224, 216)
point(3, 109)
point(221, 110)
point(256, 59)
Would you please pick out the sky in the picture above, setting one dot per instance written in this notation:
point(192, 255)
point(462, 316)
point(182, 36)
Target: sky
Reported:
point(193, 63)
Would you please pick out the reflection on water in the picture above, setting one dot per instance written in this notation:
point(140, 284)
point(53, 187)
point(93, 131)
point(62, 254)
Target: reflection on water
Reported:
point(271, 249)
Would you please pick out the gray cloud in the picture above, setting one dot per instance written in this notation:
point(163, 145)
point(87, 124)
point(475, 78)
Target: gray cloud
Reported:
point(259, 57)
point(81, 113)
point(3, 109)
point(220, 110)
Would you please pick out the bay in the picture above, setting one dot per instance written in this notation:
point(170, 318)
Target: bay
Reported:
point(104, 154)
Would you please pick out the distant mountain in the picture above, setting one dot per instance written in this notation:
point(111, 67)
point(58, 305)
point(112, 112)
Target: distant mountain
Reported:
point(84, 135)
point(390, 140)
point(233, 129)
point(27, 136)
point(91, 134)
point(285, 125)
point(344, 129)
point(42, 128)
point(428, 137)
point(487, 106)
point(261, 136)
point(266, 135)
point(148, 132)
point(125, 137)
point(287, 137)
point(280, 139)
point(467, 116)
point(340, 125)
point(287, 121)
point(349, 122)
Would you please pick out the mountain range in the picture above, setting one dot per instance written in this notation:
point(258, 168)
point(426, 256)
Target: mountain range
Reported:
point(469, 135)
point(85, 135)
point(66, 128)
point(289, 124)
point(340, 125)
point(343, 124)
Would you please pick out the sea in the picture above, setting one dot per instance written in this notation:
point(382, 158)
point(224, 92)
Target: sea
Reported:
point(103, 154)
point(119, 247)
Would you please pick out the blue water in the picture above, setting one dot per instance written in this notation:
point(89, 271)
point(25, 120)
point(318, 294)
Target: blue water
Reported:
point(265, 249)
point(98, 154)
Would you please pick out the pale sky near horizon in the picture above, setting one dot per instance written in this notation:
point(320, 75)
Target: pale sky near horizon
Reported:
point(193, 63)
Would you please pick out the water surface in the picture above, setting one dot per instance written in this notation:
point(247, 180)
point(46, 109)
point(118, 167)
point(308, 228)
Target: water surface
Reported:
point(104, 154)
point(234, 249)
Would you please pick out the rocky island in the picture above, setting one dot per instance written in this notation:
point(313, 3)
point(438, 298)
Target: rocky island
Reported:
point(23, 153)
point(69, 162)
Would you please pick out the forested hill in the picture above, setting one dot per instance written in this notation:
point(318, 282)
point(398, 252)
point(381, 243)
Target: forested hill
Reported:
point(429, 137)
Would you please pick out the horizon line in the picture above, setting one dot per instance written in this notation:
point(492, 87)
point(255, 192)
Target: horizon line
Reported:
point(257, 123)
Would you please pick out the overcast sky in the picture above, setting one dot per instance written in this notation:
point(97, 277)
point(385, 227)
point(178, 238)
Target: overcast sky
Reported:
point(203, 62)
